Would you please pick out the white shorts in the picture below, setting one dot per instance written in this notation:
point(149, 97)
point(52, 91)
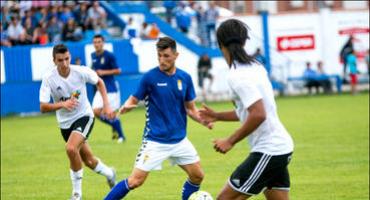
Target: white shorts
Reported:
point(113, 98)
point(152, 154)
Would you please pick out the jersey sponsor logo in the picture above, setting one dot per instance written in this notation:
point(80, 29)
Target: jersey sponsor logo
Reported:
point(161, 84)
point(179, 84)
point(59, 88)
point(102, 61)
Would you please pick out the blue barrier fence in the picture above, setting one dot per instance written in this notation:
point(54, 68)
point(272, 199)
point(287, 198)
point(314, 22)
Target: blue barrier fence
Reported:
point(20, 94)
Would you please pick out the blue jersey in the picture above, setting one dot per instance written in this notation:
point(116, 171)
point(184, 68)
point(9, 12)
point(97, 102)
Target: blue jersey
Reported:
point(105, 61)
point(164, 97)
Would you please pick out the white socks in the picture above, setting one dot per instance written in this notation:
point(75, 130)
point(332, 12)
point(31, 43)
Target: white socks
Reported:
point(76, 178)
point(104, 170)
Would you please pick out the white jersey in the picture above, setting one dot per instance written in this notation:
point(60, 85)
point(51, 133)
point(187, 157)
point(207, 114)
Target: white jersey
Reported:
point(248, 84)
point(61, 89)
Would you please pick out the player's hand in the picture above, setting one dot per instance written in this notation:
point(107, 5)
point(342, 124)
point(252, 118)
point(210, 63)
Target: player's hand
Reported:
point(108, 112)
point(207, 114)
point(222, 145)
point(100, 72)
point(126, 108)
point(70, 104)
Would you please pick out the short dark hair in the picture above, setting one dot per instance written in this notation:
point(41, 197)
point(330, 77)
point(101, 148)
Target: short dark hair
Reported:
point(166, 42)
point(59, 48)
point(99, 36)
point(232, 35)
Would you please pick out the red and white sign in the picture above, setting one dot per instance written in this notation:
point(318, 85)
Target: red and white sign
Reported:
point(354, 30)
point(296, 42)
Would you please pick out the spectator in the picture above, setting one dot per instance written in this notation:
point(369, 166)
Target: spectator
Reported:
point(204, 66)
point(211, 16)
point(41, 34)
point(97, 16)
point(53, 30)
point(169, 5)
point(81, 16)
point(183, 19)
point(70, 32)
point(153, 31)
point(323, 78)
point(15, 31)
point(77, 61)
point(310, 77)
point(344, 52)
point(201, 25)
point(259, 57)
point(41, 15)
point(144, 31)
point(29, 31)
point(4, 37)
point(352, 64)
point(130, 30)
point(29, 15)
point(66, 15)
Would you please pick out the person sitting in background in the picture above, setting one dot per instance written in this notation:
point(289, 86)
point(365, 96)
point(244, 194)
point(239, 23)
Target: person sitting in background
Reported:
point(4, 37)
point(15, 31)
point(70, 31)
point(259, 57)
point(153, 31)
point(144, 30)
point(41, 34)
point(53, 30)
point(310, 77)
point(130, 29)
point(97, 15)
point(323, 78)
point(352, 64)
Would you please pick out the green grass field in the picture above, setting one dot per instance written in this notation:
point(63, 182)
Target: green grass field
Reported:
point(330, 162)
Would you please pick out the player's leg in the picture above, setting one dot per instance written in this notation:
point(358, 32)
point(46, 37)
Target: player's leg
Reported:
point(185, 155)
point(135, 180)
point(114, 123)
point(76, 171)
point(273, 194)
point(97, 165)
point(195, 178)
point(229, 193)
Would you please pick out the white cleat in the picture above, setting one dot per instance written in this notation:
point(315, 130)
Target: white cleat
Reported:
point(120, 140)
point(76, 196)
point(112, 182)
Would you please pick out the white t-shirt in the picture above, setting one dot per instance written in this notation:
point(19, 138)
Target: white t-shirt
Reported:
point(248, 84)
point(61, 89)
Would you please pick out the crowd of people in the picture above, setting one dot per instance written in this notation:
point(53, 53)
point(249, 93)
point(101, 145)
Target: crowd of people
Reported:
point(42, 22)
point(188, 15)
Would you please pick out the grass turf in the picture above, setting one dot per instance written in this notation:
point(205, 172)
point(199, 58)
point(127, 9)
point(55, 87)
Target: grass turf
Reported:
point(330, 162)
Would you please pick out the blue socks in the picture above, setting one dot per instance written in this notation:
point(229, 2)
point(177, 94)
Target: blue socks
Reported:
point(188, 189)
point(115, 123)
point(118, 191)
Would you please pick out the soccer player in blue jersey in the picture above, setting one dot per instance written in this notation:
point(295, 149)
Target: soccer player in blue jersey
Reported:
point(169, 96)
point(104, 63)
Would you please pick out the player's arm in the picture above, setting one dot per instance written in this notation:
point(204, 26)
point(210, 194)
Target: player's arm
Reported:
point(70, 104)
point(107, 72)
point(129, 104)
point(209, 115)
point(193, 113)
point(106, 107)
point(257, 116)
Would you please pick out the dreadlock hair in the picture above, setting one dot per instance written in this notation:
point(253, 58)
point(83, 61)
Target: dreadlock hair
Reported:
point(232, 35)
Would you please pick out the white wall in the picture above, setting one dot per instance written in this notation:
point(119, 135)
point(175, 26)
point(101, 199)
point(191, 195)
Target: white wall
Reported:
point(41, 61)
point(2, 66)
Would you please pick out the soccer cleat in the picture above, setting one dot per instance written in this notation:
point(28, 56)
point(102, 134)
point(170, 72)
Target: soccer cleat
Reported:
point(120, 140)
point(112, 182)
point(76, 196)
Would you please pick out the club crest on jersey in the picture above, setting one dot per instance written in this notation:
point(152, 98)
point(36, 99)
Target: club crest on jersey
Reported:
point(76, 94)
point(179, 84)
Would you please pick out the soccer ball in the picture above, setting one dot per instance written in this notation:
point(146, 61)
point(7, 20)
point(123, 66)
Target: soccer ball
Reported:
point(200, 195)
